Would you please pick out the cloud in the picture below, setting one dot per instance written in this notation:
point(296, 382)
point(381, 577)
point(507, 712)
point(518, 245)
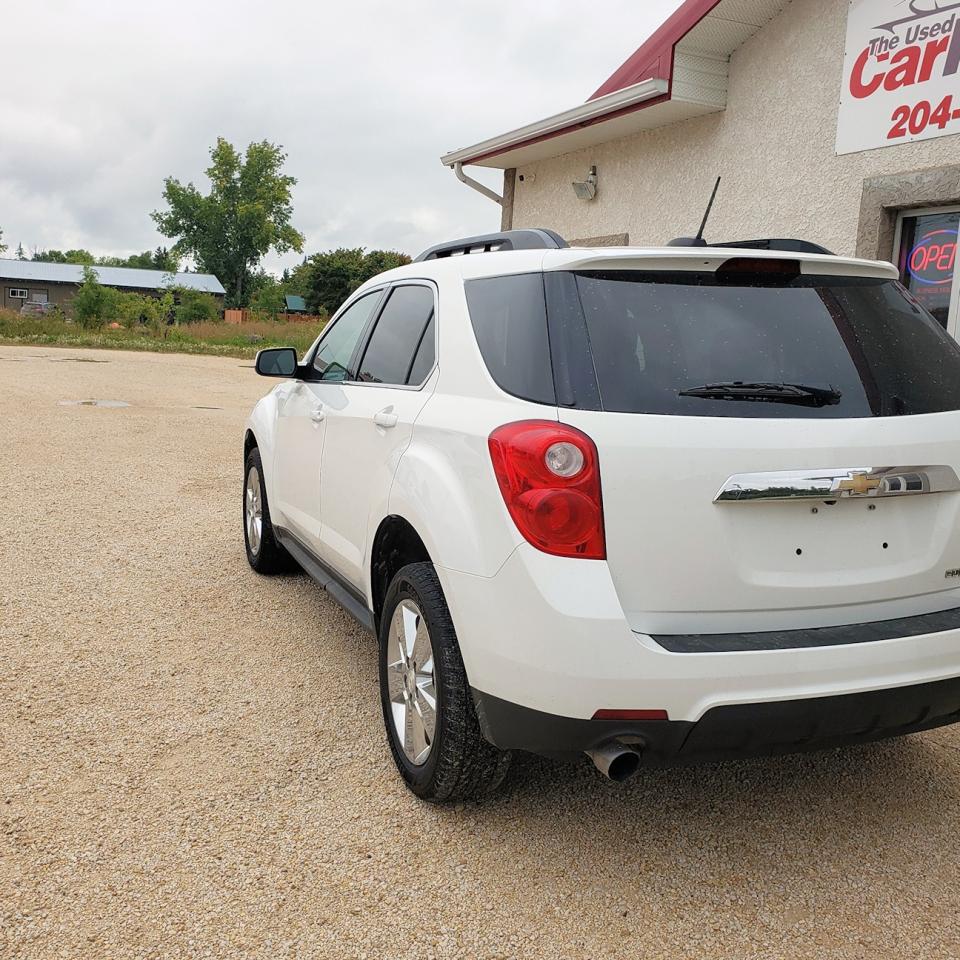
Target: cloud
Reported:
point(365, 97)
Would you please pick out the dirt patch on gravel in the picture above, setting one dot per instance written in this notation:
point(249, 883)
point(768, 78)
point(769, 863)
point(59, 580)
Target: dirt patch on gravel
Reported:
point(192, 760)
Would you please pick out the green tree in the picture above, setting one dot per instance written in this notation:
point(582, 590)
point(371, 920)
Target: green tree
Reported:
point(377, 261)
point(21, 254)
point(246, 214)
point(269, 295)
point(327, 279)
point(159, 259)
point(81, 257)
point(3, 246)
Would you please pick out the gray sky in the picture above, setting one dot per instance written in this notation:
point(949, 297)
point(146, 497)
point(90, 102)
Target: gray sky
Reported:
point(114, 95)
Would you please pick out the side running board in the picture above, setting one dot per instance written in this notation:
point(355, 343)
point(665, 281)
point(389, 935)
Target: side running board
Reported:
point(326, 578)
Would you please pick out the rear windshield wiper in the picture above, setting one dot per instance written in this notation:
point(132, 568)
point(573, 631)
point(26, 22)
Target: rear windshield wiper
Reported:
point(798, 393)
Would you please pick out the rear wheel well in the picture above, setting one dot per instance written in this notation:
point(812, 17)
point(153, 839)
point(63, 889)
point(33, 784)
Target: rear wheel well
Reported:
point(249, 442)
point(395, 545)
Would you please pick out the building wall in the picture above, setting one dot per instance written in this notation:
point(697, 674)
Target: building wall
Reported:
point(774, 148)
point(56, 293)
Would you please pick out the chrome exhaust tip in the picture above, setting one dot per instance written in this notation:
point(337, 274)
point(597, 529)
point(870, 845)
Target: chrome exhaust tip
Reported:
point(616, 761)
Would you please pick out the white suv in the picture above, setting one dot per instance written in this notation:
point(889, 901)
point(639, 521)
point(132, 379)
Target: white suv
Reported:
point(652, 505)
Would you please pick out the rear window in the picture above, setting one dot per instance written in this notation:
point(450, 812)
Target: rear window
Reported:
point(863, 344)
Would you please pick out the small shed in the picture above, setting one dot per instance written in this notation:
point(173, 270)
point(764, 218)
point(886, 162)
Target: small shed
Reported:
point(295, 304)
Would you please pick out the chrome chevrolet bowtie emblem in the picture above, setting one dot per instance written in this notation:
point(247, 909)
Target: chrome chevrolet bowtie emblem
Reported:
point(858, 485)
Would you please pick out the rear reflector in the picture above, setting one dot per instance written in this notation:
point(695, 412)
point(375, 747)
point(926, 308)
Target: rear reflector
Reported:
point(631, 715)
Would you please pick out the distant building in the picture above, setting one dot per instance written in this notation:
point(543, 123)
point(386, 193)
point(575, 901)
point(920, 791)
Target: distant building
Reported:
point(295, 304)
point(57, 283)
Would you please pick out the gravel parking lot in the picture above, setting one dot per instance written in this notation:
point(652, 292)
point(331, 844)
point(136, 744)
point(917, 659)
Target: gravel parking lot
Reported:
point(192, 760)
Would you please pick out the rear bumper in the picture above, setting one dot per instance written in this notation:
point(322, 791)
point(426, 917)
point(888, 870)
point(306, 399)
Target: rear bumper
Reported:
point(549, 634)
point(723, 733)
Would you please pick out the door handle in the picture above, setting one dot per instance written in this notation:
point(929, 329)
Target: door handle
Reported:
point(318, 414)
point(385, 420)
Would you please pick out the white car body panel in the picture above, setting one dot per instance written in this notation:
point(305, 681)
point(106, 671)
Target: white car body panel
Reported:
point(684, 564)
point(358, 471)
point(298, 457)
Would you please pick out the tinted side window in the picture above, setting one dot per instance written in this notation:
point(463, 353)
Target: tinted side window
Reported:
point(397, 335)
point(426, 355)
point(332, 359)
point(510, 323)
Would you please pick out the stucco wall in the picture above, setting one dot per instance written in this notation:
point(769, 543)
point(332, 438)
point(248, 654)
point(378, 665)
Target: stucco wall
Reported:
point(773, 145)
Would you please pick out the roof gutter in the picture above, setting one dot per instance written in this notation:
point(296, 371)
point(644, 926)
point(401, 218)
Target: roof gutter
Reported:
point(593, 111)
point(476, 184)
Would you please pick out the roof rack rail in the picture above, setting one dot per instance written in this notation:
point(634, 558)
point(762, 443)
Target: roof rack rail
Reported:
point(783, 243)
point(492, 242)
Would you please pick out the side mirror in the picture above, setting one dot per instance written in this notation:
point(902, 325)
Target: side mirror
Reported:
point(277, 362)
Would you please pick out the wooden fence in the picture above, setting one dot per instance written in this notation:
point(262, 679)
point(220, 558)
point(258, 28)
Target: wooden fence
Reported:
point(250, 316)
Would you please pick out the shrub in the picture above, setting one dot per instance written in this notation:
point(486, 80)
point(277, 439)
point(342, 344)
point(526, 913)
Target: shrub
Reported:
point(92, 302)
point(135, 310)
point(195, 307)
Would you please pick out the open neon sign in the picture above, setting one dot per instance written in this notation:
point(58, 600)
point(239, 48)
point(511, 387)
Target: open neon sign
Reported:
point(932, 260)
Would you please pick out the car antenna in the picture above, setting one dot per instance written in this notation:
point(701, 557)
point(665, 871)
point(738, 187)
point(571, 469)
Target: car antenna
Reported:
point(698, 240)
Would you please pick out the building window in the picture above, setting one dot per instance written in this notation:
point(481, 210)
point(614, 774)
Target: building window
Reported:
point(926, 245)
point(16, 293)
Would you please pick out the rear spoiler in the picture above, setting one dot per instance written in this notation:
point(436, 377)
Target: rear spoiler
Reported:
point(785, 244)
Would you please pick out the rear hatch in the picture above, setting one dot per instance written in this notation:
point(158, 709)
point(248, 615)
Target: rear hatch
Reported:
point(778, 438)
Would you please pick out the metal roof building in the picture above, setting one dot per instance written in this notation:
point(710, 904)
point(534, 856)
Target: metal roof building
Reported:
point(23, 281)
point(31, 271)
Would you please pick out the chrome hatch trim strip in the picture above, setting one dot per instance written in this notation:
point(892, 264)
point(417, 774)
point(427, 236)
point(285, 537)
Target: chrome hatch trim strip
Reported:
point(838, 483)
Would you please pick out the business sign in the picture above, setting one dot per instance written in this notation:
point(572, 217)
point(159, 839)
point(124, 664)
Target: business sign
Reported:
point(933, 257)
point(928, 259)
point(901, 73)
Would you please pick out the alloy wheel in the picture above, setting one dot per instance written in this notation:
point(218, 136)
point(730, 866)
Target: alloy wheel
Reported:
point(253, 510)
point(411, 682)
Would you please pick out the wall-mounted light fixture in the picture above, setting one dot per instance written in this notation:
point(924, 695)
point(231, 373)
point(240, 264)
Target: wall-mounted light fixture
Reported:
point(586, 189)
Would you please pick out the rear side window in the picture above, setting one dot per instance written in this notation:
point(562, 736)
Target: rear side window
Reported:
point(510, 323)
point(863, 344)
point(398, 336)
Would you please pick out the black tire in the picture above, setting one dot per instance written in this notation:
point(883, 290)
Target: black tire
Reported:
point(461, 764)
point(268, 557)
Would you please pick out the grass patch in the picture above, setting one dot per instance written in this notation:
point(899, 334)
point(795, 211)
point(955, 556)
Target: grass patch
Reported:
point(213, 339)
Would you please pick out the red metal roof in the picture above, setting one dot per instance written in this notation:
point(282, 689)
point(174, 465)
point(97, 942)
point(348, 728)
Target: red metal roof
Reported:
point(655, 57)
point(673, 76)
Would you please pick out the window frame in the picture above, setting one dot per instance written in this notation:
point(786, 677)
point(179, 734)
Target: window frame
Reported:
point(953, 315)
point(372, 325)
point(18, 293)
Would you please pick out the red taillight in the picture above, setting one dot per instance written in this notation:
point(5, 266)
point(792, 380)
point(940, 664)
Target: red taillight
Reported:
point(631, 715)
point(554, 500)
